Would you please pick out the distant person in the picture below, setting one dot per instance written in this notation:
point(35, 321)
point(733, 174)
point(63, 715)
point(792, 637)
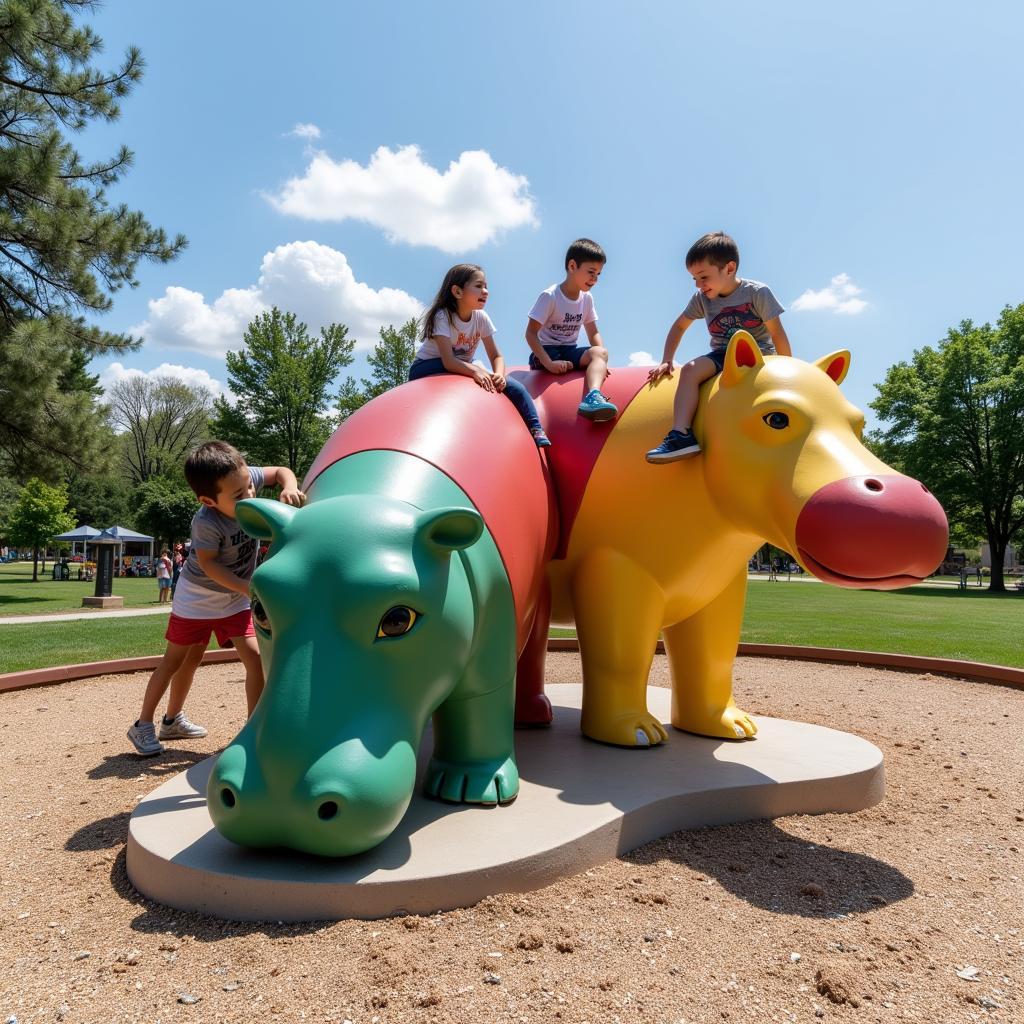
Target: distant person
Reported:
point(212, 595)
point(726, 303)
point(553, 329)
point(163, 577)
point(176, 563)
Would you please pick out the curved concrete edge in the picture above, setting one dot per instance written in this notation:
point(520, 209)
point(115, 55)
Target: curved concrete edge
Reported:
point(577, 809)
point(977, 671)
point(66, 673)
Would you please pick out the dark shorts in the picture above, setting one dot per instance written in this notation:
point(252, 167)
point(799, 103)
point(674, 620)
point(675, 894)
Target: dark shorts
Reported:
point(717, 356)
point(570, 353)
point(186, 632)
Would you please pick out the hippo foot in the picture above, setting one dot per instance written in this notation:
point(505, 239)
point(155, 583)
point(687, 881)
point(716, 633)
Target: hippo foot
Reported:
point(634, 729)
point(475, 782)
point(731, 724)
point(533, 711)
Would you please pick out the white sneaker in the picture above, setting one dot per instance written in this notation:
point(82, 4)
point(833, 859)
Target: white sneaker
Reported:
point(143, 737)
point(180, 728)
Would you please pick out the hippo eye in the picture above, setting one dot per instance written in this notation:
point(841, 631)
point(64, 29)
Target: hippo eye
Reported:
point(776, 420)
point(397, 621)
point(259, 615)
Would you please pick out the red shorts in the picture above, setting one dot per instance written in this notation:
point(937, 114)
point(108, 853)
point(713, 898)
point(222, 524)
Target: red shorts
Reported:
point(186, 632)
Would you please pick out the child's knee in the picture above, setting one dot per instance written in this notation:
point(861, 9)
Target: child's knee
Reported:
point(698, 370)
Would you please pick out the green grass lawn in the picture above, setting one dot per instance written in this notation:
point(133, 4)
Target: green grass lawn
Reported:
point(973, 625)
point(41, 645)
point(20, 596)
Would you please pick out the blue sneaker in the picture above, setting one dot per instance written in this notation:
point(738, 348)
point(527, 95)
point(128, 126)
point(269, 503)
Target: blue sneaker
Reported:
point(597, 408)
point(540, 439)
point(678, 444)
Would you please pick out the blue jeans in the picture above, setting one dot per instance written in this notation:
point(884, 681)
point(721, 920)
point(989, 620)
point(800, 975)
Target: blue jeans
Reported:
point(514, 391)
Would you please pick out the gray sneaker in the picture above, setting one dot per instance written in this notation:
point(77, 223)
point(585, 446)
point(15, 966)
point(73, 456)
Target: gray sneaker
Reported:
point(180, 728)
point(143, 737)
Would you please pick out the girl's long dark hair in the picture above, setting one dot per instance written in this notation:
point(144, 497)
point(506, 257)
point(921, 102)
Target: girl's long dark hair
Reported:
point(457, 277)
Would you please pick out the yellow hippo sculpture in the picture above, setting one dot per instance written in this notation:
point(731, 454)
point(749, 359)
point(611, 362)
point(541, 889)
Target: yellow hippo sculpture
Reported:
point(664, 549)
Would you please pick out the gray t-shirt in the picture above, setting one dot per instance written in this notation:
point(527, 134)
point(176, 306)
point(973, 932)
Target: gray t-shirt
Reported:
point(196, 595)
point(748, 307)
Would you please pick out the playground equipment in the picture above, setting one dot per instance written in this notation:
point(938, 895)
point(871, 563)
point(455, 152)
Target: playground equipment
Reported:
point(439, 544)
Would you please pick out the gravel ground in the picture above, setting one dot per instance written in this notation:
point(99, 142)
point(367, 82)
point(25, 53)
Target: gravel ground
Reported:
point(912, 910)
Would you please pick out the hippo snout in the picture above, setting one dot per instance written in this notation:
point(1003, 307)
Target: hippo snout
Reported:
point(345, 802)
point(872, 532)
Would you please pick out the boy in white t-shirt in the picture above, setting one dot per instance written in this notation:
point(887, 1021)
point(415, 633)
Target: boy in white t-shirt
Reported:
point(554, 326)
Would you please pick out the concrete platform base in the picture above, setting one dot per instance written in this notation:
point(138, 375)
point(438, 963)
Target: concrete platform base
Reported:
point(581, 803)
point(102, 602)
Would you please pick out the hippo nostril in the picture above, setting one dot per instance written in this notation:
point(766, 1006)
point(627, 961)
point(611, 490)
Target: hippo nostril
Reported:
point(327, 810)
point(874, 485)
point(227, 798)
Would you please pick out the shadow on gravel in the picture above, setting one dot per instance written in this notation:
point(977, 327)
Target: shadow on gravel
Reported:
point(158, 919)
point(128, 765)
point(100, 835)
point(768, 868)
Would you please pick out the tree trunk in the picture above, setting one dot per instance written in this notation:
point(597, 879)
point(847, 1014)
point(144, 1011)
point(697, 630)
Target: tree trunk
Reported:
point(997, 549)
point(35, 565)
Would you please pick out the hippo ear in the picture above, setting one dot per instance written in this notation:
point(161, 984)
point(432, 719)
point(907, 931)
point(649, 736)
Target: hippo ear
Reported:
point(449, 529)
point(266, 520)
point(741, 357)
point(835, 364)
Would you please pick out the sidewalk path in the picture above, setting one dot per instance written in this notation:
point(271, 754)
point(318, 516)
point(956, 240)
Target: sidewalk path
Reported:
point(120, 613)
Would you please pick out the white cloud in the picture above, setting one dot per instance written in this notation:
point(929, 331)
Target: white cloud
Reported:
point(459, 209)
point(311, 280)
point(642, 359)
point(839, 297)
point(189, 374)
point(305, 130)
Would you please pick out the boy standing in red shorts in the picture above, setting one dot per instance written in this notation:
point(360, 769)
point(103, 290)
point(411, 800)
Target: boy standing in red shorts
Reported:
point(212, 595)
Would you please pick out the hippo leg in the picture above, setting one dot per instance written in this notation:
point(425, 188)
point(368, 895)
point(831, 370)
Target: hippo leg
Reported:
point(532, 707)
point(618, 609)
point(701, 651)
point(474, 760)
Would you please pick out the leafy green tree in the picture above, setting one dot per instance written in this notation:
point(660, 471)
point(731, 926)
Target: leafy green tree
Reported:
point(64, 249)
point(955, 418)
point(9, 491)
point(101, 501)
point(161, 419)
point(389, 366)
point(282, 379)
point(165, 511)
point(39, 513)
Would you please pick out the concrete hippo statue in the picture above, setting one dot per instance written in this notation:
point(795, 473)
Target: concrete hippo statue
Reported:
point(439, 544)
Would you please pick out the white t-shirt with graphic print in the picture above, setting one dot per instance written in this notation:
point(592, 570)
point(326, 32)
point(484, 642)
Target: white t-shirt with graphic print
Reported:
point(561, 317)
point(465, 335)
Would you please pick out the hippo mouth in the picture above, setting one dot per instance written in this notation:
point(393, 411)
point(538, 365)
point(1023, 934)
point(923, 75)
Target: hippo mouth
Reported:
point(827, 575)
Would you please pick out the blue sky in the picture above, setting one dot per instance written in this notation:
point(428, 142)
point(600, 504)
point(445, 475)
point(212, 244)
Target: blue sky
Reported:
point(868, 153)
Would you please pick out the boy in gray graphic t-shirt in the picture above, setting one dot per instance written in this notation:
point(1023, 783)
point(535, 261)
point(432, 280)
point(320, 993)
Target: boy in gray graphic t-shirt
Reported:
point(727, 304)
point(212, 595)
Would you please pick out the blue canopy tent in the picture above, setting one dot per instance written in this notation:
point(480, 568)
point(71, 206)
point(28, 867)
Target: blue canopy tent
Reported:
point(81, 533)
